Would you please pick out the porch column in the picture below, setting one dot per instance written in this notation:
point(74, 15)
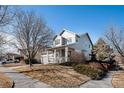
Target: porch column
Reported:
point(55, 55)
point(41, 59)
point(66, 54)
point(13, 58)
point(60, 56)
point(47, 56)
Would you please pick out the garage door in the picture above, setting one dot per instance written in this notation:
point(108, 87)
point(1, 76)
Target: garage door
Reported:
point(45, 60)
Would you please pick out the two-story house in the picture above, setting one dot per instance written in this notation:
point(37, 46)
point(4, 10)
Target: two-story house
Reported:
point(64, 44)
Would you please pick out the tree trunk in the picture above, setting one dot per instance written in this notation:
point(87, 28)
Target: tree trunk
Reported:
point(29, 59)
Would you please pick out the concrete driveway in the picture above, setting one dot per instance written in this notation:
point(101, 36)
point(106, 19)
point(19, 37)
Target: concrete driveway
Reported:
point(21, 80)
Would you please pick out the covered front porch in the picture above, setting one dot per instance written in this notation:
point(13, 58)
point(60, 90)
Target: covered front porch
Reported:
point(56, 55)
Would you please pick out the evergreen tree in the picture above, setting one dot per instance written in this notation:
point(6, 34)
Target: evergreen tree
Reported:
point(102, 50)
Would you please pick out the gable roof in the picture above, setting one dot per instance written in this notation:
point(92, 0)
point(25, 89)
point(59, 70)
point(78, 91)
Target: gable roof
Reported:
point(88, 37)
point(55, 37)
point(75, 34)
point(66, 31)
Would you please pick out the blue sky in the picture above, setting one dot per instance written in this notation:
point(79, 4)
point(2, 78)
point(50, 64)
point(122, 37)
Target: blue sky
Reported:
point(80, 19)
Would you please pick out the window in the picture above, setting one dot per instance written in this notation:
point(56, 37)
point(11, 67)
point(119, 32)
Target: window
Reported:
point(69, 40)
point(76, 40)
point(69, 54)
point(57, 41)
point(89, 46)
point(64, 41)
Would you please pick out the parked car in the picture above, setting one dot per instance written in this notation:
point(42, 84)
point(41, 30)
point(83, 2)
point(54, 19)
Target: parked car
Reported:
point(10, 61)
point(2, 61)
point(7, 62)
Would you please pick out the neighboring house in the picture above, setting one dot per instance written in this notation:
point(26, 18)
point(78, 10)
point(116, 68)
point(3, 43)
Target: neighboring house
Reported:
point(12, 56)
point(64, 44)
point(10, 47)
point(23, 54)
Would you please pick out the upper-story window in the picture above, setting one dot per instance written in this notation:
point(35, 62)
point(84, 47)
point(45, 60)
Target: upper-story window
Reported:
point(89, 46)
point(69, 40)
point(76, 40)
point(64, 41)
point(57, 41)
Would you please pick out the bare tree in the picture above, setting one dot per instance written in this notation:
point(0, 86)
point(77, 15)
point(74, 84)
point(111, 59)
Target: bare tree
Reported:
point(6, 15)
point(2, 40)
point(31, 33)
point(116, 39)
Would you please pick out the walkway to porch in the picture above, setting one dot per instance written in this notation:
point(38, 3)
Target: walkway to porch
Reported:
point(104, 83)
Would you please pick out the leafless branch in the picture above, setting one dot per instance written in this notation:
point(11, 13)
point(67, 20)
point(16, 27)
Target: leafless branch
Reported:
point(116, 38)
point(7, 14)
point(32, 33)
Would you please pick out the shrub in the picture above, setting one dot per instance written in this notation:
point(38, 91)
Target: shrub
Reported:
point(102, 50)
point(77, 57)
point(69, 63)
point(97, 65)
point(33, 61)
point(121, 60)
point(93, 73)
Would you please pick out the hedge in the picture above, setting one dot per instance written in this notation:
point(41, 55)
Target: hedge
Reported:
point(33, 61)
point(69, 63)
point(93, 73)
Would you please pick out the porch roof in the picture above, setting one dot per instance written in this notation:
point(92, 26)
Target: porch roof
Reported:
point(60, 47)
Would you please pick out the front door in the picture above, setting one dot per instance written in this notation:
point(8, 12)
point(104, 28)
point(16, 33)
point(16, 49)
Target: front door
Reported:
point(63, 53)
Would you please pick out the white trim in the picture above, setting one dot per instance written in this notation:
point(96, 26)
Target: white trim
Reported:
point(68, 31)
point(55, 55)
point(66, 54)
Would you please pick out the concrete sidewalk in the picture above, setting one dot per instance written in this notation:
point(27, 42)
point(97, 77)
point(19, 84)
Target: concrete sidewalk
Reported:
point(24, 81)
point(104, 83)
point(21, 80)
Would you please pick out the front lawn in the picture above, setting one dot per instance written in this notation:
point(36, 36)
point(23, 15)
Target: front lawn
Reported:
point(5, 82)
point(118, 80)
point(55, 75)
point(12, 64)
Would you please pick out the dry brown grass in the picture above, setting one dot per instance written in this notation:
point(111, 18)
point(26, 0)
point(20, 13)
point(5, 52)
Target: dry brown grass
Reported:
point(118, 80)
point(5, 82)
point(55, 75)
